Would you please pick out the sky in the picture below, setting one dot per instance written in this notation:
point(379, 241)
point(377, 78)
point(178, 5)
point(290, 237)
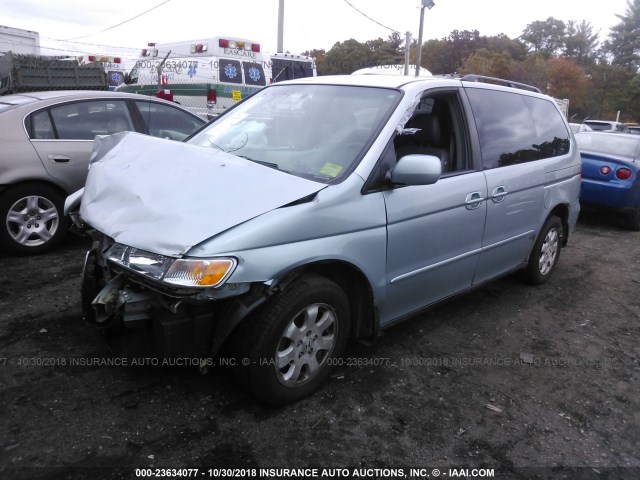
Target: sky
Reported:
point(85, 26)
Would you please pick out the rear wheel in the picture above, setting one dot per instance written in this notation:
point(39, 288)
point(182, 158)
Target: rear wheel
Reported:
point(288, 350)
point(32, 219)
point(546, 252)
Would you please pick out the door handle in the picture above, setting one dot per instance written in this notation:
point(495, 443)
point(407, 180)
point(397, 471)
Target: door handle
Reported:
point(474, 200)
point(58, 158)
point(498, 195)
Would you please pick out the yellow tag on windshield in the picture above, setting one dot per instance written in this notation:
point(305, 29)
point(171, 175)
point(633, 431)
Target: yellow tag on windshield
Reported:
point(331, 169)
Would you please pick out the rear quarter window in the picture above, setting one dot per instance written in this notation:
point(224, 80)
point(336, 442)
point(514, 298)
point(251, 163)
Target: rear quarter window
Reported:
point(515, 128)
point(230, 71)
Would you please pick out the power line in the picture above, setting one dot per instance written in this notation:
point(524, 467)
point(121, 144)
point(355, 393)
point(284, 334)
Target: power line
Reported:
point(117, 25)
point(367, 16)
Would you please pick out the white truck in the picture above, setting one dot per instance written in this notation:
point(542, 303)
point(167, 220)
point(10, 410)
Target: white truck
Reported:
point(285, 66)
point(36, 73)
point(18, 40)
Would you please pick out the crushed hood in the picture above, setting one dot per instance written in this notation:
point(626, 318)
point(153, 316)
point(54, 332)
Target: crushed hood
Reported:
point(165, 196)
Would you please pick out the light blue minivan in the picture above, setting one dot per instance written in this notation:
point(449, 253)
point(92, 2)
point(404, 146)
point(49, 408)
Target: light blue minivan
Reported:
point(323, 209)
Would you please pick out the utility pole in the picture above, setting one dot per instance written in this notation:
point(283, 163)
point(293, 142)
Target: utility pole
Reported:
point(280, 48)
point(429, 4)
point(407, 47)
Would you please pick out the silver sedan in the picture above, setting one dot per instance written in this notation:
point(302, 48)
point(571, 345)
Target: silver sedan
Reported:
point(47, 138)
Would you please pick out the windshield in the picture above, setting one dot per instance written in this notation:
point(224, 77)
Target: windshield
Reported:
point(615, 144)
point(312, 131)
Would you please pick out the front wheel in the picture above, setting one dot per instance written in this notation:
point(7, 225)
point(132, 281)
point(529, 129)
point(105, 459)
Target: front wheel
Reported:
point(546, 252)
point(291, 347)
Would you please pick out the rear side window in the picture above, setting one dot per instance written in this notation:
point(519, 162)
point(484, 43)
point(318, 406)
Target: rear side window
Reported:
point(84, 120)
point(254, 74)
point(516, 128)
point(165, 121)
point(286, 69)
point(115, 78)
point(230, 71)
point(42, 127)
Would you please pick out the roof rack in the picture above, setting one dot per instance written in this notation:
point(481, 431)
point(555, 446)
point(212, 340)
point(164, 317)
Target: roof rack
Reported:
point(499, 81)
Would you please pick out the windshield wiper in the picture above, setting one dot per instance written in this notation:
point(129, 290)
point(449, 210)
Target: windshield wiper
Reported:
point(261, 162)
point(214, 145)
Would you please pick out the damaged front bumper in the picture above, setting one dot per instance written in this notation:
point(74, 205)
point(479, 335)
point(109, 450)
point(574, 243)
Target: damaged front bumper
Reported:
point(125, 289)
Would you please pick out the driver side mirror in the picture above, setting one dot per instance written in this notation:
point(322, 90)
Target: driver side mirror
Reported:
point(416, 170)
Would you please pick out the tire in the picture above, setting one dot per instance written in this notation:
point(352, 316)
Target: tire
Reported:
point(31, 219)
point(288, 349)
point(546, 252)
point(632, 220)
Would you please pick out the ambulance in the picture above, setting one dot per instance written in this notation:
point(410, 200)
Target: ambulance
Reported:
point(113, 67)
point(206, 76)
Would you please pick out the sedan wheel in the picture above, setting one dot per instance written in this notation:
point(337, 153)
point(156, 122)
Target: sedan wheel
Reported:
point(33, 220)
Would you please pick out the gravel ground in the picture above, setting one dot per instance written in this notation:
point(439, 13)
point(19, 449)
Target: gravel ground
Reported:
point(508, 377)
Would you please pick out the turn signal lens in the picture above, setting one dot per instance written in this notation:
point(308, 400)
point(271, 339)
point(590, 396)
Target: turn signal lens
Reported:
point(199, 272)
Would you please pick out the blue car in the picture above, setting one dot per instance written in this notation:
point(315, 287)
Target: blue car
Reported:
point(610, 173)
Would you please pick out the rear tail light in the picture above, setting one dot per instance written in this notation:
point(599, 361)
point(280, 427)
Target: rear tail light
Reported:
point(604, 170)
point(165, 94)
point(212, 97)
point(623, 173)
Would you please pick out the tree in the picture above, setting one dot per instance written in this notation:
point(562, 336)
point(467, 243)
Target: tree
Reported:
point(533, 71)
point(351, 55)
point(580, 42)
point(501, 43)
point(624, 39)
point(609, 92)
point(633, 104)
point(544, 37)
point(567, 80)
point(319, 56)
point(345, 57)
point(448, 55)
point(489, 63)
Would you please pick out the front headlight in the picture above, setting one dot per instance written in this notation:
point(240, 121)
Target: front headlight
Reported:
point(184, 272)
point(141, 261)
point(192, 272)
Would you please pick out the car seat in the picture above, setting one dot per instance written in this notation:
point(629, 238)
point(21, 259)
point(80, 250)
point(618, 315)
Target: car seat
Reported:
point(427, 140)
point(117, 124)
